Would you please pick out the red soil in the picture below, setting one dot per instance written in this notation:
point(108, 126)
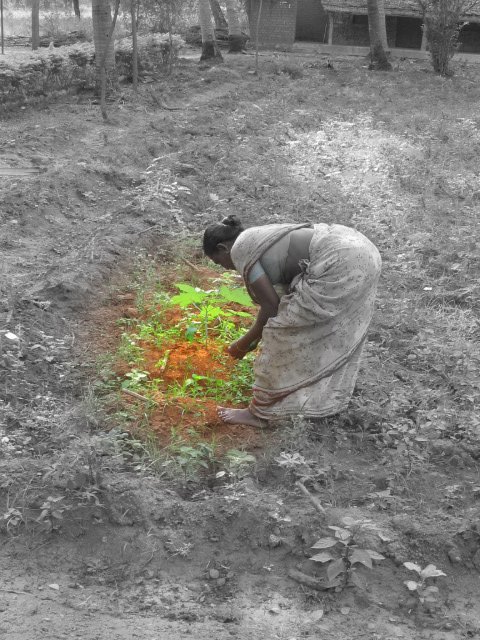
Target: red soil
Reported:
point(186, 416)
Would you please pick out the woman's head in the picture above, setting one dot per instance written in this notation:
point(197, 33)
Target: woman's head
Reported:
point(219, 237)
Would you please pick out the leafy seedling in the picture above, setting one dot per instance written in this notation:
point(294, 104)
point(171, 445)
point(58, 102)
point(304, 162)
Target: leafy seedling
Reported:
point(343, 556)
point(425, 593)
point(13, 518)
point(52, 513)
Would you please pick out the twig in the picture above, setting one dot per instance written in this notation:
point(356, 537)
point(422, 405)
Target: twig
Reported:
point(134, 394)
point(191, 265)
point(307, 494)
point(23, 593)
point(308, 581)
point(148, 229)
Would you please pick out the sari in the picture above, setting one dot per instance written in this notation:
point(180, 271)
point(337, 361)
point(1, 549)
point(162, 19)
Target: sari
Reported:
point(311, 350)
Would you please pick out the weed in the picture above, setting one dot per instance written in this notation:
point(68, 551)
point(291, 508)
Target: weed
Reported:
point(342, 569)
point(425, 593)
point(237, 463)
point(13, 520)
point(192, 458)
point(52, 513)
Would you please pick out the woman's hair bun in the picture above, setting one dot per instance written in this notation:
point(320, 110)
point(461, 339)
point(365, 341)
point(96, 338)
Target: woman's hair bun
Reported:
point(231, 221)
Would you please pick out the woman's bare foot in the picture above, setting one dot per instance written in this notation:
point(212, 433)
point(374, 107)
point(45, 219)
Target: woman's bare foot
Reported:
point(240, 416)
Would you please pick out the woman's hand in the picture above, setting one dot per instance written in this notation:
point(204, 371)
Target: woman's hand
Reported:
point(238, 349)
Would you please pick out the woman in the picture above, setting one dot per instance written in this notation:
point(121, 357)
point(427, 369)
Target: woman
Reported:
point(315, 286)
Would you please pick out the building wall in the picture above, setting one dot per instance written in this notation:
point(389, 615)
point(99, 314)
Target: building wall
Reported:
point(352, 30)
point(470, 38)
point(312, 21)
point(277, 23)
point(408, 33)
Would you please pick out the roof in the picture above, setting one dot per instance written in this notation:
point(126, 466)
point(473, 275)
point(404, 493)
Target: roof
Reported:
point(392, 7)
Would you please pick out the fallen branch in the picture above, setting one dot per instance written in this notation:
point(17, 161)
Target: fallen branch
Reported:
point(191, 265)
point(307, 494)
point(308, 581)
point(134, 394)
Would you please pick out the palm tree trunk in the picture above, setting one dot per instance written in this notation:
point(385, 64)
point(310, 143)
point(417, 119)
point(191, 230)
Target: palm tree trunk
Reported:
point(102, 21)
point(219, 18)
point(76, 8)
point(210, 50)
point(133, 16)
point(383, 23)
point(378, 55)
point(235, 37)
point(35, 24)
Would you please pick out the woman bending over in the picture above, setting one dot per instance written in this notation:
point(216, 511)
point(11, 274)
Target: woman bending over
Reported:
point(315, 286)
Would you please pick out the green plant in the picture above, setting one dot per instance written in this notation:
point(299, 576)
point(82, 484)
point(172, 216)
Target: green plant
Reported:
point(52, 513)
point(192, 458)
point(135, 379)
point(13, 519)
point(237, 463)
point(342, 566)
point(208, 306)
point(425, 593)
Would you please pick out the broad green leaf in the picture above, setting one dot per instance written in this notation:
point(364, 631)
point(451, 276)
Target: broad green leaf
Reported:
point(361, 556)
point(210, 313)
point(413, 567)
point(358, 580)
point(324, 543)
point(430, 590)
point(325, 556)
point(411, 585)
point(189, 295)
point(430, 599)
point(184, 300)
point(335, 569)
point(431, 571)
point(341, 534)
point(191, 331)
point(240, 296)
point(331, 584)
point(374, 555)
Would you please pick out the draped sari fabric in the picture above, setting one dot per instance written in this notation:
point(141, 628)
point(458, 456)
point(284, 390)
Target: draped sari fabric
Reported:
point(311, 349)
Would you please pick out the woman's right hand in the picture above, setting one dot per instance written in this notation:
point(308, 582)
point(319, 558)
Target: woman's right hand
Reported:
point(237, 351)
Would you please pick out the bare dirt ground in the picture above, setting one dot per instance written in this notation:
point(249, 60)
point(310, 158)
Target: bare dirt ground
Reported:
point(95, 546)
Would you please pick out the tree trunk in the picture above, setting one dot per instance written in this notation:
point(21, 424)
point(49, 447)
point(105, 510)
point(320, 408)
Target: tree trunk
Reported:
point(383, 23)
point(133, 14)
point(235, 37)
point(35, 24)
point(210, 50)
point(102, 21)
point(257, 41)
point(378, 55)
point(76, 8)
point(219, 18)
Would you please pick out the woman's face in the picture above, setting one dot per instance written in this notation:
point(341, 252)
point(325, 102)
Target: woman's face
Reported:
point(222, 257)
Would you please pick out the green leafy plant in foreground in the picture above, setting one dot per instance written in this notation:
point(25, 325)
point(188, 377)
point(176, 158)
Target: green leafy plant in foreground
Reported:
point(237, 463)
point(52, 513)
point(425, 593)
point(208, 306)
point(343, 555)
point(192, 457)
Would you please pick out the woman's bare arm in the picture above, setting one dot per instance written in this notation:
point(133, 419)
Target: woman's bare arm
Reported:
point(268, 300)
